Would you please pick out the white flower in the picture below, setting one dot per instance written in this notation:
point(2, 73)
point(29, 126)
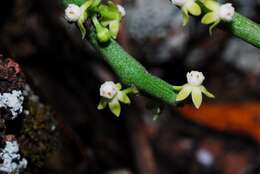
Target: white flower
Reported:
point(217, 13)
point(73, 13)
point(184, 3)
point(121, 9)
point(195, 78)
point(188, 7)
point(226, 12)
point(179, 2)
point(112, 95)
point(108, 90)
point(193, 87)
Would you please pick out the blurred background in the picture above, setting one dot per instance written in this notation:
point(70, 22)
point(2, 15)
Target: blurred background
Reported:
point(65, 74)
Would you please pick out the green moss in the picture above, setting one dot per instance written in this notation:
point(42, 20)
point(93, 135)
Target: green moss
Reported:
point(38, 139)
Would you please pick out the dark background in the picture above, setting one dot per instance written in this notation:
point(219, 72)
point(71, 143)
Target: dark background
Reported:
point(66, 73)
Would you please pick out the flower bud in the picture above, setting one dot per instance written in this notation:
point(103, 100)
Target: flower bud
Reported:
point(121, 9)
point(226, 12)
point(73, 13)
point(108, 90)
point(179, 2)
point(195, 78)
point(103, 35)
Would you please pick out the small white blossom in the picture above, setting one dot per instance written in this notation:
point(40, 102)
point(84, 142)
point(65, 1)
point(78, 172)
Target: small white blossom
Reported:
point(73, 13)
point(226, 12)
point(179, 2)
point(184, 3)
point(12, 101)
point(108, 90)
point(187, 7)
point(121, 9)
point(195, 78)
point(193, 87)
point(217, 13)
point(12, 161)
point(111, 95)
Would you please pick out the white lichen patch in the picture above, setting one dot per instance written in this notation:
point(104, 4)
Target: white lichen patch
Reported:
point(12, 162)
point(12, 101)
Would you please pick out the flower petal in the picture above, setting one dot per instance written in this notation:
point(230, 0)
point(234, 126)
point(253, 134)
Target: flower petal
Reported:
point(109, 11)
point(184, 93)
point(95, 4)
point(206, 92)
point(211, 5)
point(114, 28)
point(115, 107)
point(194, 9)
point(177, 88)
point(123, 98)
point(185, 16)
point(102, 104)
point(105, 22)
point(119, 86)
point(209, 18)
point(131, 89)
point(196, 96)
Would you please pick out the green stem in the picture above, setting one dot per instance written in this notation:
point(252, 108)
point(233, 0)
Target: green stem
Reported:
point(132, 72)
point(245, 29)
point(241, 27)
point(128, 69)
point(78, 2)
